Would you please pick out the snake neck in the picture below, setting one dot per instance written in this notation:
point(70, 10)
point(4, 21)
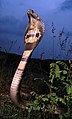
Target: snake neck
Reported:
point(15, 85)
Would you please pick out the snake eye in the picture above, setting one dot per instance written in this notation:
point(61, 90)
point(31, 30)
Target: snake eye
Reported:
point(32, 11)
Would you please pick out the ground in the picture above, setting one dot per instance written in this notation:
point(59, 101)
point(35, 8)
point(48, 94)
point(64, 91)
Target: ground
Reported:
point(36, 71)
point(8, 65)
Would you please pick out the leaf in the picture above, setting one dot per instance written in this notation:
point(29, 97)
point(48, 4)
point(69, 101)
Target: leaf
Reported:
point(62, 100)
point(53, 94)
point(30, 109)
point(69, 90)
point(60, 116)
point(63, 77)
point(57, 71)
point(36, 102)
point(45, 99)
point(54, 71)
point(64, 72)
point(38, 108)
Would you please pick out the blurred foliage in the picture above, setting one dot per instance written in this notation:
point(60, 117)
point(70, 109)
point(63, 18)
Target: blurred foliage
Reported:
point(59, 99)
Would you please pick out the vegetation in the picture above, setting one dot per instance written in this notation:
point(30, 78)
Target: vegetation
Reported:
point(49, 81)
point(52, 90)
point(59, 99)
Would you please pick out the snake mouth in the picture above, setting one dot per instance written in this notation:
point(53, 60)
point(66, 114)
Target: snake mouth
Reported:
point(31, 12)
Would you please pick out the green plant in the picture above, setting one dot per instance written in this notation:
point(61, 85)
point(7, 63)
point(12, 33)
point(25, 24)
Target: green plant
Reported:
point(59, 99)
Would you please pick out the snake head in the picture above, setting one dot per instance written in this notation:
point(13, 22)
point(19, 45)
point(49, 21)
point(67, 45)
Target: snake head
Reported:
point(31, 13)
point(35, 22)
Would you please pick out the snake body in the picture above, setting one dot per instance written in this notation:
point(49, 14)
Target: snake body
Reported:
point(33, 35)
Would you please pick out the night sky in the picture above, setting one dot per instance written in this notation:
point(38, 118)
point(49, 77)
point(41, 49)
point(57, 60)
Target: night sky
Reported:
point(56, 15)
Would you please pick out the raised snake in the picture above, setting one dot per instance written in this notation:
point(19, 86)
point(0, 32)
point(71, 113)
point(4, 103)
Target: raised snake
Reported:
point(33, 35)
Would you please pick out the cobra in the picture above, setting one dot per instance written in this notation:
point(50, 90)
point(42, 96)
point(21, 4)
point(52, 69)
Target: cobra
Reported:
point(33, 35)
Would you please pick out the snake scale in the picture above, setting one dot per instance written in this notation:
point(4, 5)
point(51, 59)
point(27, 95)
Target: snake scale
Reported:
point(33, 35)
